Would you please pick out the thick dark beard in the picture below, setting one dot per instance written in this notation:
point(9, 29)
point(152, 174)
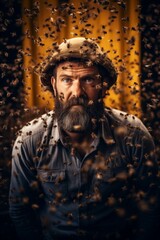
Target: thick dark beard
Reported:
point(77, 115)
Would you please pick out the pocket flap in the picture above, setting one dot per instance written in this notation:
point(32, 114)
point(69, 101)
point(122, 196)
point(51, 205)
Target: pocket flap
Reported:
point(55, 176)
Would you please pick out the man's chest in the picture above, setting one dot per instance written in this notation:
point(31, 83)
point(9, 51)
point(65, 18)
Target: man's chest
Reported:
point(64, 176)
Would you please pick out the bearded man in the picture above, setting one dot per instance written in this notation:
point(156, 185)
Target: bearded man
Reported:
point(83, 171)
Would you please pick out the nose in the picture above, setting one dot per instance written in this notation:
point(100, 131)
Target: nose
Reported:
point(77, 89)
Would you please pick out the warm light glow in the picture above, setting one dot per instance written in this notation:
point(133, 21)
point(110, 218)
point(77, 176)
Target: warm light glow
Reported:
point(116, 30)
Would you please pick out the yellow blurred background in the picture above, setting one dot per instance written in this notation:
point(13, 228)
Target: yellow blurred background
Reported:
point(115, 25)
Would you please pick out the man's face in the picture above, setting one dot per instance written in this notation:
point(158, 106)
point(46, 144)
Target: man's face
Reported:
point(78, 92)
point(74, 79)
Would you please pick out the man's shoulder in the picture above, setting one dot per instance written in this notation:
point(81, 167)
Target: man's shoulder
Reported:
point(118, 117)
point(38, 125)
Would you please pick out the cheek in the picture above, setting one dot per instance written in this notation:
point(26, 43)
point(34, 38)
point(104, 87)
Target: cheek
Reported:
point(93, 93)
point(62, 93)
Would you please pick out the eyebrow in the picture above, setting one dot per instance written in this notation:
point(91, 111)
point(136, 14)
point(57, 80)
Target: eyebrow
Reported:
point(87, 75)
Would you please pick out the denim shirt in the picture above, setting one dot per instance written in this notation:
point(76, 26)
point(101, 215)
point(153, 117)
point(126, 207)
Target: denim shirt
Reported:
point(57, 194)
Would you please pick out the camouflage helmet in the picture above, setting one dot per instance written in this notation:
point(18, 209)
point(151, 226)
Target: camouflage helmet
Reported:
point(77, 48)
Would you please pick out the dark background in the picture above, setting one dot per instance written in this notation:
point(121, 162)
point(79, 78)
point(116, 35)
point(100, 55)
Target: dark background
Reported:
point(13, 113)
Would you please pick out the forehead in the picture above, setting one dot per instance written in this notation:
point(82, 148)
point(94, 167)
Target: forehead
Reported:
point(74, 66)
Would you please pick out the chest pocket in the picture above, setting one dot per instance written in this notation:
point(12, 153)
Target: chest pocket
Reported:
point(110, 182)
point(54, 184)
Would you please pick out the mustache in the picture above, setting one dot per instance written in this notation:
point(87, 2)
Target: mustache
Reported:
point(83, 101)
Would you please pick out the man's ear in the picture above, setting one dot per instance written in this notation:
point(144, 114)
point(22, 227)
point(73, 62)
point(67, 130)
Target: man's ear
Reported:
point(53, 82)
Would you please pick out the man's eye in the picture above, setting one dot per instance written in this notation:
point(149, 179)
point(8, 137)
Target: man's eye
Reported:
point(89, 80)
point(66, 80)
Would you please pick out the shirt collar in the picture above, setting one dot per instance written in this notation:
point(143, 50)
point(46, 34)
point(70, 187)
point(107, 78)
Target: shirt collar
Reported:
point(104, 132)
point(55, 135)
